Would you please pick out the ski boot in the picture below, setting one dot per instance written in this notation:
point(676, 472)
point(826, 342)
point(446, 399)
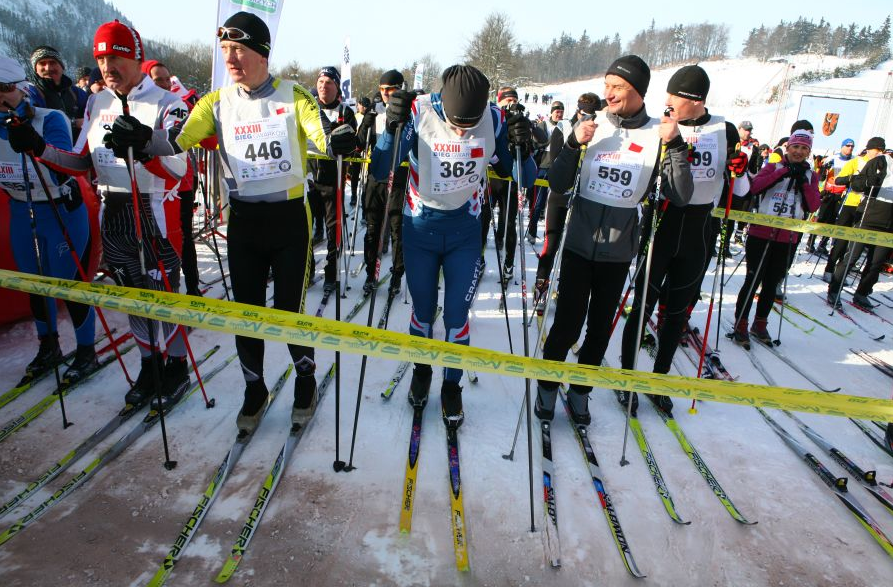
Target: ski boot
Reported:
point(394, 287)
point(834, 297)
point(256, 395)
point(740, 335)
point(451, 404)
point(760, 331)
point(48, 356)
point(578, 401)
point(306, 398)
point(863, 302)
point(540, 291)
point(419, 386)
point(508, 272)
point(889, 435)
point(174, 382)
point(662, 403)
point(83, 365)
point(144, 387)
point(328, 287)
point(544, 408)
point(368, 285)
point(827, 276)
point(624, 397)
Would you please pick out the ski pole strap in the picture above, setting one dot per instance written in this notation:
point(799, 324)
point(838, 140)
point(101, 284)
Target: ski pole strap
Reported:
point(859, 235)
point(293, 328)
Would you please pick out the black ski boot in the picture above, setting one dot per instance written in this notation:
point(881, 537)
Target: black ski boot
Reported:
point(508, 272)
point(544, 408)
point(256, 395)
point(451, 404)
point(578, 401)
point(864, 302)
point(420, 385)
point(540, 291)
point(174, 382)
point(328, 287)
point(889, 435)
point(306, 398)
point(144, 387)
point(368, 285)
point(394, 287)
point(662, 403)
point(624, 398)
point(48, 356)
point(84, 364)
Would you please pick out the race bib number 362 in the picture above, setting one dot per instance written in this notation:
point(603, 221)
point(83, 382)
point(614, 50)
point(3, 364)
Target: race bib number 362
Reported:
point(455, 165)
point(261, 149)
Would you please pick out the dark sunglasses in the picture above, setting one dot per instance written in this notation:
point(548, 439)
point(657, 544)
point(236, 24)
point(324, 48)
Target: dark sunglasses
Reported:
point(5, 87)
point(232, 34)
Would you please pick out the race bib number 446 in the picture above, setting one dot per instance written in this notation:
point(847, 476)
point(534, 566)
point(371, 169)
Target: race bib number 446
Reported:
point(455, 165)
point(262, 150)
point(615, 174)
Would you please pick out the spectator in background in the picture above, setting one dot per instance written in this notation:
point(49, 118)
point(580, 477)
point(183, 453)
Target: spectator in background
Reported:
point(96, 82)
point(83, 79)
point(54, 89)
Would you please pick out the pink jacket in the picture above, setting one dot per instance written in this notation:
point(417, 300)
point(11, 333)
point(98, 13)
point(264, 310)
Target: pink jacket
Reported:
point(768, 176)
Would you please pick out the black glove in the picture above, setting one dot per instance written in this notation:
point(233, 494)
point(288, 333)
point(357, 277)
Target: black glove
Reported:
point(127, 131)
point(343, 140)
point(369, 119)
point(399, 109)
point(24, 139)
point(519, 133)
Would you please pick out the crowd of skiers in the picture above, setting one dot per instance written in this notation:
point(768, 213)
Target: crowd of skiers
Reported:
point(623, 185)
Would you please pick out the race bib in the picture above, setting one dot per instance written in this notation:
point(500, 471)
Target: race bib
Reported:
point(456, 164)
point(106, 158)
point(11, 176)
point(704, 158)
point(615, 174)
point(781, 203)
point(261, 149)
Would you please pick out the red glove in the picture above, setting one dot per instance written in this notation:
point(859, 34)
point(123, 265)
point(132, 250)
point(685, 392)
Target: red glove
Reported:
point(738, 164)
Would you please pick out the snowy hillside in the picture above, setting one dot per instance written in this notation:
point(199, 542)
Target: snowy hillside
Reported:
point(739, 90)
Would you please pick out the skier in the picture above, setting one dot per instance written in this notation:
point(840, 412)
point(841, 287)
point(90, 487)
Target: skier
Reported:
point(619, 169)
point(832, 194)
point(557, 202)
point(269, 225)
point(377, 192)
point(546, 128)
point(789, 188)
point(876, 182)
point(119, 52)
point(850, 210)
point(334, 114)
point(743, 175)
point(685, 237)
point(449, 138)
point(161, 76)
point(53, 128)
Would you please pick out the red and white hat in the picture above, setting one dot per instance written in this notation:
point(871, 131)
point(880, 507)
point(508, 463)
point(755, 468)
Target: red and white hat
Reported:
point(116, 38)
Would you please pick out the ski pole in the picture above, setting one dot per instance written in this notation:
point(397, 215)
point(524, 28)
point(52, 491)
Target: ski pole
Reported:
point(339, 465)
point(77, 263)
point(216, 249)
point(850, 249)
point(784, 291)
point(520, 228)
point(719, 259)
point(339, 161)
point(502, 284)
point(26, 181)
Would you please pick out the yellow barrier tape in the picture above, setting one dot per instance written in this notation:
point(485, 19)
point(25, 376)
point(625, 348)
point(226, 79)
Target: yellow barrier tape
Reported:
point(293, 328)
point(861, 235)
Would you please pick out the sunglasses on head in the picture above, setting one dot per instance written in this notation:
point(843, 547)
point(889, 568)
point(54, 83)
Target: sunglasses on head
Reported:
point(232, 34)
point(6, 87)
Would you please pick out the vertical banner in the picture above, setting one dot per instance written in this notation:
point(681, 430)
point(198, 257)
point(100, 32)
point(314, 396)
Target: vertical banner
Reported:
point(419, 76)
point(345, 72)
point(268, 10)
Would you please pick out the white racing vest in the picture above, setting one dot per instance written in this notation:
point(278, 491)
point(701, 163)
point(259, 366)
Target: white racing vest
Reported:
point(11, 178)
point(148, 103)
point(779, 201)
point(708, 159)
point(619, 163)
point(260, 141)
point(885, 194)
point(451, 169)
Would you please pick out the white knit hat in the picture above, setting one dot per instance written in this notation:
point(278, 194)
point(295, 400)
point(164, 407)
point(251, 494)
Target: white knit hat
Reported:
point(13, 73)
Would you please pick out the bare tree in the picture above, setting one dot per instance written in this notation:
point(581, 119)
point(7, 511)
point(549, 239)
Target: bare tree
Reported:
point(430, 75)
point(492, 50)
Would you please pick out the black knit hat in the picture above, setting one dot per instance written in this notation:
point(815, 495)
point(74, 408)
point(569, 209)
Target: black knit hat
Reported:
point(465, 94)
point(876, 143)
point(633, 70)
point(391, 78)
point(331, 72)
point(801, 125)
point(365, 102)
point(95, 75)
point(45, 52)
point(258, 39)
point(83, 72)
point(691, 82)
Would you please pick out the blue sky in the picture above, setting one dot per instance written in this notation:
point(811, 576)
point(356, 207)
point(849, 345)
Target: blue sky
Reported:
point(313, 33)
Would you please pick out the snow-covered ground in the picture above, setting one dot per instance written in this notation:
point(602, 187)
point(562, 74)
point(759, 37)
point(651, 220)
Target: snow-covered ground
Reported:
point(328, 528)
